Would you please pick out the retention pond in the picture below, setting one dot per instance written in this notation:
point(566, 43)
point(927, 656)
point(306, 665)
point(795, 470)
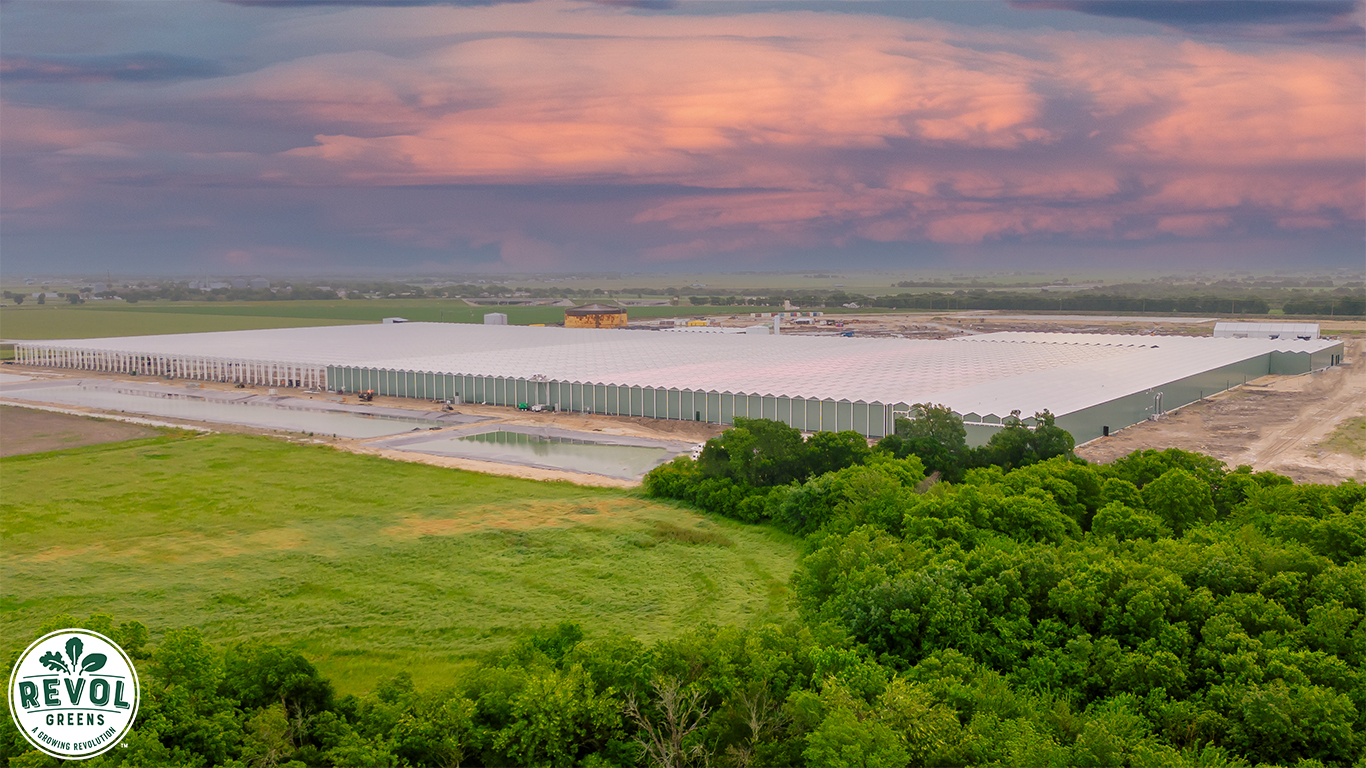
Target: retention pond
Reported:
point(599, 454)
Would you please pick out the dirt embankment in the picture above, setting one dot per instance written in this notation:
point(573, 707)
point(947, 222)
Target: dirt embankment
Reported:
point(23, 430)
point(1275, 423)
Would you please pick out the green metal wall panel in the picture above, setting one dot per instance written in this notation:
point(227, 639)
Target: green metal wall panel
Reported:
point(860, 423)
point(1088, 423)
point(829, 416)
point(877, 419)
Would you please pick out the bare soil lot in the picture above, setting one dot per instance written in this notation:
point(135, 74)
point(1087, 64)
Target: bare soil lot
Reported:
point(1275, 423)
point(23, 430)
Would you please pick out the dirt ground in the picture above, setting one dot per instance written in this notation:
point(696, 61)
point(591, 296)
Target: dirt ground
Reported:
point(947, 325)
point(492, 468)
point(23, 430)
point(1275, 423)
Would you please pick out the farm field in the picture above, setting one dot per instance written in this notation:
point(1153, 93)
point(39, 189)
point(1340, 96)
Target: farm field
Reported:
point(420, 310)
point(147, 318)
point(81, 323)
point(368, 566)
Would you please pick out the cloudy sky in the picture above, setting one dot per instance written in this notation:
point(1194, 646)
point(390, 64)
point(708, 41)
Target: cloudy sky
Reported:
point(658, 135)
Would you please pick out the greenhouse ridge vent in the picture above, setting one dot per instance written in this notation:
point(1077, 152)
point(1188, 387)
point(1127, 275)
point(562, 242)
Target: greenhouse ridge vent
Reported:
point(1088, 381)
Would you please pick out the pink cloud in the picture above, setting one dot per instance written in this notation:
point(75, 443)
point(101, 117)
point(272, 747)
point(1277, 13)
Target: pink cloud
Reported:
point(1192, 224)
point(820, 128)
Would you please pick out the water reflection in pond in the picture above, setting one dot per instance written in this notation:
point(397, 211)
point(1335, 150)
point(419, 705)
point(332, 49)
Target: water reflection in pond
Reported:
point(626, 461)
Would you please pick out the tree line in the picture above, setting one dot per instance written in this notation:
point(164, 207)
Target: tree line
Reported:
point(954, 606)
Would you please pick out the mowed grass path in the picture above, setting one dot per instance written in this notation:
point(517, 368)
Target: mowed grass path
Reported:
point(369, 566)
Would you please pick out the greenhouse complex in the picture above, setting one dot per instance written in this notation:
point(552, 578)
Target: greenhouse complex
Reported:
point(1092, 383)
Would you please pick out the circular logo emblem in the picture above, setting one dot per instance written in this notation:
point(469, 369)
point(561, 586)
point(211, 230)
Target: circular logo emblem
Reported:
point(74, 694)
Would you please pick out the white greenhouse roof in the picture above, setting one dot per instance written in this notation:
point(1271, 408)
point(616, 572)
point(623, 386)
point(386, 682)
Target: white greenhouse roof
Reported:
point(1294, 329)
point(989, 374)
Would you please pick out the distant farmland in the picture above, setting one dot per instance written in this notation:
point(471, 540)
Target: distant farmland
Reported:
point(369, 566)
point(81, 323)
point(147, 318)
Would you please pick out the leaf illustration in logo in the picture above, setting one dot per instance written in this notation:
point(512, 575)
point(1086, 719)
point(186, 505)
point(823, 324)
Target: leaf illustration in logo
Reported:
point(54, 661)
point(74, 646)
point(93, 662)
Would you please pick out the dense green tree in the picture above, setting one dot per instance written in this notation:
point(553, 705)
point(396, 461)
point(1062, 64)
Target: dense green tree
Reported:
point(934, 422)
point(1019, 445)
point(833, 451)
point(1179, 499)
point(756, 452)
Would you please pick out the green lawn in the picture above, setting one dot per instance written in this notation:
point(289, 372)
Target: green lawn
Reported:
point(369, 566)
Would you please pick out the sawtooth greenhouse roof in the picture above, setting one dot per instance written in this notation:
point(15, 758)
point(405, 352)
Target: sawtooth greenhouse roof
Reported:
point(984, 374)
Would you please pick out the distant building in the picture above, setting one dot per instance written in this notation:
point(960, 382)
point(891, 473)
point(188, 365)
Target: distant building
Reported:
point(1303, 331)
point(595, 316)
point(260, 282)
point(495, 318)
point(239, 282)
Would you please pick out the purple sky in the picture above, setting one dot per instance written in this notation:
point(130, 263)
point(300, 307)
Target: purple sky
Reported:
point(322, 135)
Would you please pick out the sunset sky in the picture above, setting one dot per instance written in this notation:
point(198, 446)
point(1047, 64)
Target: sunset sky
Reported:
point(400, 135)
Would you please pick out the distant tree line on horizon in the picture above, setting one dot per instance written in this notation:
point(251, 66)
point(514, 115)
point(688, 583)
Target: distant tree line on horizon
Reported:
point(1332, 305)
point(1226, 298)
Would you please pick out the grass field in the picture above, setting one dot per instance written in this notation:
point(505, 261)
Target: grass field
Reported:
point(369, 566)
point(1348, 438)
point(146, 318)
point(81, 323)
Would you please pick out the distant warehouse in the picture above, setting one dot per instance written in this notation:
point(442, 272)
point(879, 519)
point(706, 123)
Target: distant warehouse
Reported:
point(1093, 383)
point(1303, 331)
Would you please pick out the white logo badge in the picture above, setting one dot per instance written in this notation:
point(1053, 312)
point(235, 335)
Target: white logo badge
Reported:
point(74, 694)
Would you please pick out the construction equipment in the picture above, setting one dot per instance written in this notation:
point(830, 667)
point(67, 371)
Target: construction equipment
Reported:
point(366, 396)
